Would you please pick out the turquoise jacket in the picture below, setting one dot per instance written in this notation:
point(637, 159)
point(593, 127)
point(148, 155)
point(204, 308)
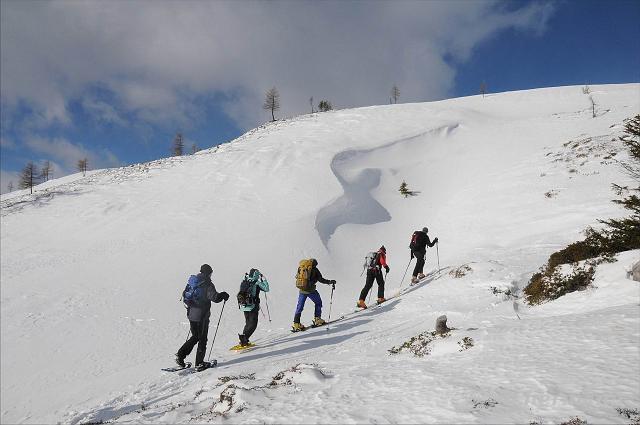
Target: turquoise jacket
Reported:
point(260, 285)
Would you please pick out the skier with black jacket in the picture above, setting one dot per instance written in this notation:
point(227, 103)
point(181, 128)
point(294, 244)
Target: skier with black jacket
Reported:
point(418, 246)
point(198, 316)
point(374, 271)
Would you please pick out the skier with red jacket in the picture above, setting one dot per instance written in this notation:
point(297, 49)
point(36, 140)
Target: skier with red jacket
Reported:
point(374, 265)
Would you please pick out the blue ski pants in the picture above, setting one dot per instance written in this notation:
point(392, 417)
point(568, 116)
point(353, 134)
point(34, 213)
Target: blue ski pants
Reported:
point(313, 296)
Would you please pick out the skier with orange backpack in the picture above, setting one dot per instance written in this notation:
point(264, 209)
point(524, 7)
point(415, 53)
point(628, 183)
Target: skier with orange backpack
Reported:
point(306, 278)
point(374, 262)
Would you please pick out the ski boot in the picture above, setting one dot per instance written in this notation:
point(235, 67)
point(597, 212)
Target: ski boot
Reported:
point(205, 365)
point(414, 280)
point(361, 304)
point(298, 327)
point(180, 361)
point(318, 321)
point(421, 276)
point(380, 300)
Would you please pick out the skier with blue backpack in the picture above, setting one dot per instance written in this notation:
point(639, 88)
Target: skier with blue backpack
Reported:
point(249, 303)
point(197, 296)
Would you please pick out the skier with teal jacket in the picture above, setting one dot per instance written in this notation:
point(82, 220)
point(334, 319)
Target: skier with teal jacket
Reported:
point(249, 302)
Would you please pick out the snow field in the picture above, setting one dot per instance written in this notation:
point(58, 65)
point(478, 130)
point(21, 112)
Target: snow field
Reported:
point(92, 270)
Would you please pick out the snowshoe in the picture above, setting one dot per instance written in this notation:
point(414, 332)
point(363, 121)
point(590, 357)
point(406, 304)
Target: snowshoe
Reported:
point(298, 327)
point(205, 365)
point(318, 321)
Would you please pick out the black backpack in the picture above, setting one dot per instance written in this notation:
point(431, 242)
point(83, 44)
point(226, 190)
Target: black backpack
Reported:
point(245, 294)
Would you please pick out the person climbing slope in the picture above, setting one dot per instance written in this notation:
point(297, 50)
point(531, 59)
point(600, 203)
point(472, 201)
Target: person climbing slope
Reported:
point(418, 246)
point(374, 262)
point(306, 278)
point(249, 303)
point(197, 296)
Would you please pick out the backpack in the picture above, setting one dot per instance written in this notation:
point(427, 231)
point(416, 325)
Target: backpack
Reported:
point(193, 294)
point(304, 274)
point(414, 240)
point(246, 293)
point(371, 260)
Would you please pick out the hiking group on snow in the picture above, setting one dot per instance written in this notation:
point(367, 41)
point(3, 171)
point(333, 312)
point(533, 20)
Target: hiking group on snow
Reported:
point(200, 292)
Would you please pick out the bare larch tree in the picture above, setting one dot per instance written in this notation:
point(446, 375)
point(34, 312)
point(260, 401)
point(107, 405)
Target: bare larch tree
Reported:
point(178, 145)
point(395, 93)
point(83, 165)
point(29, 176)
point(272, 102)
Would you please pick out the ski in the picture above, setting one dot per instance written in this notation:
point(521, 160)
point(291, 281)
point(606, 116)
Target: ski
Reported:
point(176, 368)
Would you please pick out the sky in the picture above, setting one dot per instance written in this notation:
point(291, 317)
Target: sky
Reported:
point(114, 82)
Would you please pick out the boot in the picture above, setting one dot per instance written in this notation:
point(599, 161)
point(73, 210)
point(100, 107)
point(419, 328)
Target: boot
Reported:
point(180, 361)
point(297, 327)
point(421, 276)
point(381, 300)
point(317, 321)
point(361, 304)
point(244, 341)
point(414, 280)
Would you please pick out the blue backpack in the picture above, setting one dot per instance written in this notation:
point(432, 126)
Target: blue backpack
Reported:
point(193, 294)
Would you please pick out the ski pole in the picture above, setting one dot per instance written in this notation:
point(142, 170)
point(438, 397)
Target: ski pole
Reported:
point(267, 300)
point(333, 287)
point(405, 273)
point(438, 254)
point(217, 326)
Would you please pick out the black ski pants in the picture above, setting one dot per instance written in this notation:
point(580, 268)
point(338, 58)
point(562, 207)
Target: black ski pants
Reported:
point(251, 322)
point(419, 262)
point(371, 275)
point(199, 333)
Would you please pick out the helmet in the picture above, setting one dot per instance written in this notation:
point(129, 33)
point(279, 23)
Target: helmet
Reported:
point(425, 229)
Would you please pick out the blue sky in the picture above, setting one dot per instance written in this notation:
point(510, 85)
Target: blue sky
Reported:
point(115, 81)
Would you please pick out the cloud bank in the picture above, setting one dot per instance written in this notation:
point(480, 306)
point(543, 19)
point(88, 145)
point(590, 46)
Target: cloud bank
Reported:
point(156, 60)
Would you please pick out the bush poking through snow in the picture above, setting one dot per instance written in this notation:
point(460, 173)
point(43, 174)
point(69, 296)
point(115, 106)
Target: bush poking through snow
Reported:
point(460, 271)
point(574, 421)
point(551, 285)
point(419, 345)
point(486, 403)
point(465, 343)
point(632, 414)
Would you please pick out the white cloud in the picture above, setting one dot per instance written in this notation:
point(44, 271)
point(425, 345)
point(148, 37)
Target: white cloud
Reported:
point(66, 154)
point(157, 57)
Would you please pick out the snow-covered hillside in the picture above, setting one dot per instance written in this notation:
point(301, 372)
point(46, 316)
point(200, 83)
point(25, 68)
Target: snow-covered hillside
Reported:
point(92, 269)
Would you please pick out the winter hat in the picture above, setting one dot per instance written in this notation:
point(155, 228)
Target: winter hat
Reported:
point(206, 269)
point(383, 249)
point(426, 230)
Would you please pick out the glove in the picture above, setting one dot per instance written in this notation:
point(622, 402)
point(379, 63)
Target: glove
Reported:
point(332, 282)
point(387, 268)
point(435, 240)
point(224, 296)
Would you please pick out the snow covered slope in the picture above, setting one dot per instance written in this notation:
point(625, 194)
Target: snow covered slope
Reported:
point(92, 270)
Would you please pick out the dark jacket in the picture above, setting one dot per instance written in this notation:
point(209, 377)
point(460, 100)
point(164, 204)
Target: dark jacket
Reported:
point(419, 241)
point(203, 311)
point(314, 278)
